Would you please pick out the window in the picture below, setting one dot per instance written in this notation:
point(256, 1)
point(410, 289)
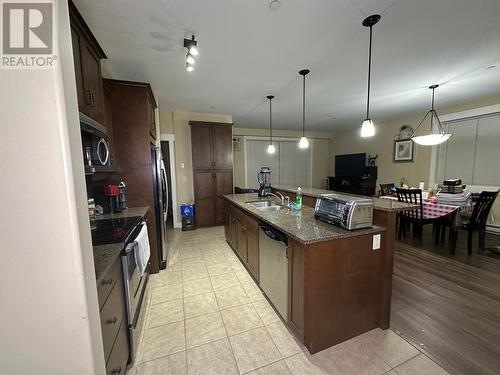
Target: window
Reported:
point(473, 153)
point(289, 164)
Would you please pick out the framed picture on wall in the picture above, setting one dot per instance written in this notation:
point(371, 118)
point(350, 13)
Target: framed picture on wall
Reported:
point(403, 150)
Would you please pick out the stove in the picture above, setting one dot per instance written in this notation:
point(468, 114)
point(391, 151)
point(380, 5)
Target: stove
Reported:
point(112, 230)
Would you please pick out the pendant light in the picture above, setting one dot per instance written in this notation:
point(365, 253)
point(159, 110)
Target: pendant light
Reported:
point(271, 149)
point(434, 138)
point(304, 143)
point(367, 127)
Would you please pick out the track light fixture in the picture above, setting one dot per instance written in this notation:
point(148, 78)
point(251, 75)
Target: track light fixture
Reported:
point(192, 50)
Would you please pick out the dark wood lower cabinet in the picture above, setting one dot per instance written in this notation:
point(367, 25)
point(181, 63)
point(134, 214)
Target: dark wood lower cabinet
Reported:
point(242, 234)
point(117, 363)
point(111, 296)
point(337, 289)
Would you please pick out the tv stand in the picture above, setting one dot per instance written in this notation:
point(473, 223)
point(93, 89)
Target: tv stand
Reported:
point(353, 184)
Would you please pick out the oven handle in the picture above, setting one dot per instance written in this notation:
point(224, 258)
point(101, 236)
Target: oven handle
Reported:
point(133, 234)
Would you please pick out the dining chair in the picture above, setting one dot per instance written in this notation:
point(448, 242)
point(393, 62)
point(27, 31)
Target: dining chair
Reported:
point(386, 189)
point(415, 216)
point(478, 218)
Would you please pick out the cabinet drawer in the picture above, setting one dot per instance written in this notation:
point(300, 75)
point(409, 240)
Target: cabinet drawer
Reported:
point(117, 363)
point(108, 282)
point(112, 315)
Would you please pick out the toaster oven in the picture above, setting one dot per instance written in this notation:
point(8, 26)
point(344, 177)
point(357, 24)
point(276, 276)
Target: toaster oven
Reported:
point(346, 211)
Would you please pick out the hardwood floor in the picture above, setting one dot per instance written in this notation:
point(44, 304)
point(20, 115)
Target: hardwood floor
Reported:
point(449, 306)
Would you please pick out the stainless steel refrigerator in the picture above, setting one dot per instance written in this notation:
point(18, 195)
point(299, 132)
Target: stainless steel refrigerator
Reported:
point(160, 187)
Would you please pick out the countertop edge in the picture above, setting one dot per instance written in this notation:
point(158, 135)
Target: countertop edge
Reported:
point(408, 206)
point(375, 229)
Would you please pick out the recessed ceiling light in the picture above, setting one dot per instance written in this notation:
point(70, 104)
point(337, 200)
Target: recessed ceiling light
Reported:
point(212, 107)
point(275, 5)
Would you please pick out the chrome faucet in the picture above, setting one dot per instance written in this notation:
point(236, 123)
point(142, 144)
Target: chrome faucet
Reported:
point(281, 197)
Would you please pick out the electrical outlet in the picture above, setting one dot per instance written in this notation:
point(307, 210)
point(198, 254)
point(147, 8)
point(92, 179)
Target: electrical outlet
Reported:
point(376, 241)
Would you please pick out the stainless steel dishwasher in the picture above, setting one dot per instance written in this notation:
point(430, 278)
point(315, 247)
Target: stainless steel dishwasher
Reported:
point(273, 267)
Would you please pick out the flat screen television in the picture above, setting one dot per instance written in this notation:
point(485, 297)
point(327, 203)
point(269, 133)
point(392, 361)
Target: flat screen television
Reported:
point(352, 165)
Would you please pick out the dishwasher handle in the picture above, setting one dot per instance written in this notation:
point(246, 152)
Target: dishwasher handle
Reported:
point(273, 233)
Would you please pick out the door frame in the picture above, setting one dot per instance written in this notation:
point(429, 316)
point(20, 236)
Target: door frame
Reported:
point(170, 138)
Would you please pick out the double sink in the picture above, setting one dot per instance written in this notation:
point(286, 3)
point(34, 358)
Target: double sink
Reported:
point(266, 205)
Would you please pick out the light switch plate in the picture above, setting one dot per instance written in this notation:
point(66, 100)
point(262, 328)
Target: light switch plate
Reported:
point(376, 242)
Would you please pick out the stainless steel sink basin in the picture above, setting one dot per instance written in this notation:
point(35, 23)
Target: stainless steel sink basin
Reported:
point(265, 205)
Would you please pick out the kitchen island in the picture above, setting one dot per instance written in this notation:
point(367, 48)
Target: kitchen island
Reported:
point(337, 279)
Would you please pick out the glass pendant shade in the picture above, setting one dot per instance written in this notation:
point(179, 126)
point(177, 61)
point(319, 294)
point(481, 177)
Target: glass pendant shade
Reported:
point(437, 134)
point(367, 128)
point(304, 142)
point(271, 149)
point(431, 139)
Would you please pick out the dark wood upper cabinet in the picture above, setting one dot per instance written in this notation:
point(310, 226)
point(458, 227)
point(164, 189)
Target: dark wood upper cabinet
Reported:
point(212, 153)
point(152, 118)
point(87, 55)
point(201, 144)
point(222, 138)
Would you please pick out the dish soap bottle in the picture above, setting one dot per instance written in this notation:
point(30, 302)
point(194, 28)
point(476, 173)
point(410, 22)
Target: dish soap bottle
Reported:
point(298, 198)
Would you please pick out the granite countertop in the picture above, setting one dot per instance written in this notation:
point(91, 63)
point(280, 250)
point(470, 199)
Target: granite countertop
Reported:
point(129, 212)
point(105, 255)
point(300, 225)
point(378, 203)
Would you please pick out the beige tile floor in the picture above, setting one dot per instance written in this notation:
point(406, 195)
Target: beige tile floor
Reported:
point(205, 315)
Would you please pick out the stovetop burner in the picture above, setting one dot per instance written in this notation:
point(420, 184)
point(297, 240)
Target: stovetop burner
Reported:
point(112, 230)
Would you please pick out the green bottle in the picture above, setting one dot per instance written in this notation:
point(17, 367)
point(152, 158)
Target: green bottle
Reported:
point(298, 198)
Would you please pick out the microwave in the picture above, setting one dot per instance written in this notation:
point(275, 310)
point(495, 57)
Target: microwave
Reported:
point(95, 144)
point(346, 211)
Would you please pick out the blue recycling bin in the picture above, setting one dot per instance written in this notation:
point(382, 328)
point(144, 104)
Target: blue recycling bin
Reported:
point(188, 217)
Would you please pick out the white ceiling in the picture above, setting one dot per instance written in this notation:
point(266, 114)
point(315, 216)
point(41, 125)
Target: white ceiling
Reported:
point(248, 52)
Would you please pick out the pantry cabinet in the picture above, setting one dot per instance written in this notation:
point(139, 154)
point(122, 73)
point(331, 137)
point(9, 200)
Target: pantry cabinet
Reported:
point(212, 155)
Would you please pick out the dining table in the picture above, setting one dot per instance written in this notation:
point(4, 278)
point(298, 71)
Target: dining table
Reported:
point(444, 215)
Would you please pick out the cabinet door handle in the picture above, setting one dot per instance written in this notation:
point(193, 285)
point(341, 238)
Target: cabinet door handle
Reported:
point(107, 282)
point(117, 370)
point(88, 97)
point(112, 321)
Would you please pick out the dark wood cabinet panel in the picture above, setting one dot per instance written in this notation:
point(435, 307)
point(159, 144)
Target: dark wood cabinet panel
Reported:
point(201, 144)
point(87, 55)
point(234, 236)
point(117, 363)
point(242, 247)
point(223, 186)
point(223, 142)
point(296, 293)
point(107, 284)
point(75, 40)
point(92, 84)
point(204, 212)
point(204, 185)
point(253, 251)
point(152, 119)
point(130, 110)
point(211, 145)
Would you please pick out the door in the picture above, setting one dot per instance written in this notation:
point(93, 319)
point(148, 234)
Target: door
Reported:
point(223, 186)
point(91, 69)
point(233, 235)
point(201, 144)
point(223, 146)
point(204, 198)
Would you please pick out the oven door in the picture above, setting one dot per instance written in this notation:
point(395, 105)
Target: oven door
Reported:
point(330, 209)
point(135, 287)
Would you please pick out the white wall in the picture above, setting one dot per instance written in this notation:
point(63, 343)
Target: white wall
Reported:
point(49, 318)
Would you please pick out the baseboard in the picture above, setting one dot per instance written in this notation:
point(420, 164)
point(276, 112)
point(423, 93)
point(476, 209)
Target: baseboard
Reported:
point(493, 229)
